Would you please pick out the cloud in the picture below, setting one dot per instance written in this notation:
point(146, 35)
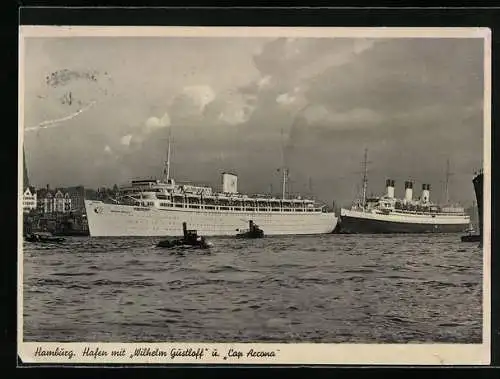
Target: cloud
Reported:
point(201, 95)
point(335, 58)
point(264, 82)
point(285, 98)
point(125, 140)
point(186, 108)
point(294, 97)
point(154, 123)
point(189, 105)
point(292, 48)
point(141, 133)
point(396, 76)
point(107, 149)
point(290, 68)
point(235, 115)
point(236, 109)
point(291, 60)
point(358, 117)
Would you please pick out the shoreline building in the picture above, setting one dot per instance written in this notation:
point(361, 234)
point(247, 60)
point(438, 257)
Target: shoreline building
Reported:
point(77, 196)
point(29, 199)
point(54, 201)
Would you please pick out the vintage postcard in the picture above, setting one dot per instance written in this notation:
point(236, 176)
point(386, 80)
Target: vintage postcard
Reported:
point(248, 195)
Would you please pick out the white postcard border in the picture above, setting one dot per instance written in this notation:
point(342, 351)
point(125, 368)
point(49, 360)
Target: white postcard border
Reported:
point(250, 353)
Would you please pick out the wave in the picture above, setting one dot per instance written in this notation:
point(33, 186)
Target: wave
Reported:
point(78, 286)
point(170, 310)
point(359, 271)
point(226, 268)
point(130, 283)
point(74, 273)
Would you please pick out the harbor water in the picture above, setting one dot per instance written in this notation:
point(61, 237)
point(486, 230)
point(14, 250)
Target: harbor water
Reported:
point(328, 289)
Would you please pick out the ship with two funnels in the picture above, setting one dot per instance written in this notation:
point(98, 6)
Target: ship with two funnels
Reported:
point(159, 208)
point(388, 214)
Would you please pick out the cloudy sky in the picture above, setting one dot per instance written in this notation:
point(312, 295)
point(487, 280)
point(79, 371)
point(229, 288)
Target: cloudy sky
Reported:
point(98, 111)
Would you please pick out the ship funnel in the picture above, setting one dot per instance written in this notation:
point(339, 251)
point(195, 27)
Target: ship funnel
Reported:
point(229, 183)
point(389, 184)
point(408, 190)
point(425, 193)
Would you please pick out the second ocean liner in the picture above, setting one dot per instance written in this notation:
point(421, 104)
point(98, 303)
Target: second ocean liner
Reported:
point(159, 207)
point(388, 214)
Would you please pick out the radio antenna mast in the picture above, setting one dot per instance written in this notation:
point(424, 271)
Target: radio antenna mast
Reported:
point(365, 178)
point(166, 171)
point(285, 169)
point(447, 182)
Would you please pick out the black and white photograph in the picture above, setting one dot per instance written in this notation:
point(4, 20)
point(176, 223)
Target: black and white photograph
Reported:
point(254, 195)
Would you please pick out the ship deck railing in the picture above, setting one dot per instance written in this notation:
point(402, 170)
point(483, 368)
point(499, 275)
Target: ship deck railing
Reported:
point(213, 196)
point(210, 200)
point(219, 207)
point(404, 211)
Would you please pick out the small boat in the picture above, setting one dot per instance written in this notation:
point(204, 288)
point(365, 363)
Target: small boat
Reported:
point(36, 237)
point(190, 239)
point(253, 231)
point(471, 238)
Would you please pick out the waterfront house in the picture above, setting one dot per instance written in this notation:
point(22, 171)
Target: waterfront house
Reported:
point(29, 199)
point(54, 201)
point(77, 195)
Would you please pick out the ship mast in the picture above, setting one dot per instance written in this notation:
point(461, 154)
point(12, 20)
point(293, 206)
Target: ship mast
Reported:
point(446, 184)
point(365, 178)
point(285, 170)
point(167, 163)
point(285, 179)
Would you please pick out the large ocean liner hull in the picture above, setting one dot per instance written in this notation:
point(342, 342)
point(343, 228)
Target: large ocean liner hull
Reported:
point(367, 223)
point(113, 220)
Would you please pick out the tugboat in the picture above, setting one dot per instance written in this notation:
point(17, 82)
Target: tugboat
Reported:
point(471, 237)
point(253, 231)
point(478, 189)
point(190, 239)
point(37, 237)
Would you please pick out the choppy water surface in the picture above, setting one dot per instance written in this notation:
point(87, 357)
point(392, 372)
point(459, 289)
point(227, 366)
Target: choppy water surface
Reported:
point(330, 289)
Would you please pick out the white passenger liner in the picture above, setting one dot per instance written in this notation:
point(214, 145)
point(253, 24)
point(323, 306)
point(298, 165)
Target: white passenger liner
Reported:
point(387, 214)
point(159, 207)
